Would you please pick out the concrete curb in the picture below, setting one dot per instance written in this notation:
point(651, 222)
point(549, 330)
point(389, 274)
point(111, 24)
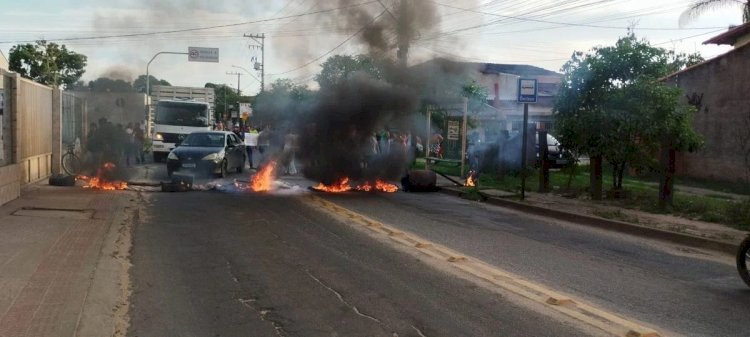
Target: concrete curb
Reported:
point(612, 225)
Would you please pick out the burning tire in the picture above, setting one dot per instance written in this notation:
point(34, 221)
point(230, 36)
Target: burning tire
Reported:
point(420, 181)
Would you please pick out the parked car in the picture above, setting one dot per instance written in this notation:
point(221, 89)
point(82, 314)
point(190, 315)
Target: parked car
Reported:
point(211, 152)
point(555, 154)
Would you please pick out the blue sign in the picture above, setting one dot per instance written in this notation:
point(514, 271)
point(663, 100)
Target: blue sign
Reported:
point(527, 90)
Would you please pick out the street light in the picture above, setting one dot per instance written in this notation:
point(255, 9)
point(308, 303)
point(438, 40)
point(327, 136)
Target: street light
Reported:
point(148, 79)
point(148, 88)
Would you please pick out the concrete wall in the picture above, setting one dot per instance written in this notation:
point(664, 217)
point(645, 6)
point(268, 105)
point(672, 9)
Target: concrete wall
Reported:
point(724, 83)
point(10, 183)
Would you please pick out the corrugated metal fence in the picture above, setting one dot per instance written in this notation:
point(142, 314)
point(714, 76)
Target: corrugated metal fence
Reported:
point(32, 131)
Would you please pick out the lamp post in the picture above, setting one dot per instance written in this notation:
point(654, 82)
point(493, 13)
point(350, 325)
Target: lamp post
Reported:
point(148, 88)
point(148, 79)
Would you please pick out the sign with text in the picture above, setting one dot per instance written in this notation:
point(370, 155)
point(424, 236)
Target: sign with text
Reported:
point(200, 54)
point(246, 110)
point(527, 90)
point(453, 130)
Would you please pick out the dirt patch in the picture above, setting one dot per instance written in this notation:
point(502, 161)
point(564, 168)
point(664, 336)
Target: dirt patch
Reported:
point(121, 255)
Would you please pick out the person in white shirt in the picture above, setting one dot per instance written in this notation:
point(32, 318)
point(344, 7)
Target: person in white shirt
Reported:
point(251, 141)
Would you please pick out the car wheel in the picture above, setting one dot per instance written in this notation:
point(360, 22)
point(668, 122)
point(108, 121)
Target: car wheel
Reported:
point(158, 157)
point(223, 169)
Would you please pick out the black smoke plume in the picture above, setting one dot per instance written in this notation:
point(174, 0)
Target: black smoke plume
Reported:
point(334, 137)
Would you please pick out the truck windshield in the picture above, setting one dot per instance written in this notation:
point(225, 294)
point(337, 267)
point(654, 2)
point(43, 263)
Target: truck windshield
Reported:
point(183, 114)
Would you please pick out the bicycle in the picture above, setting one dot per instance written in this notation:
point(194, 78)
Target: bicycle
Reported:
point(71, 163)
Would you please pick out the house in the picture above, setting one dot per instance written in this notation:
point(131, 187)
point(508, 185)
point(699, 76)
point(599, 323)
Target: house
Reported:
point(502, 112)
point(719, 89)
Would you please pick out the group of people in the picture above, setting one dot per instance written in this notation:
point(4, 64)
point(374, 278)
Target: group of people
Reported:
point(269, 143)
point(108, 142)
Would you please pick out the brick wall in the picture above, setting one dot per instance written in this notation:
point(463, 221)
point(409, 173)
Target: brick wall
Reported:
point(722, 86)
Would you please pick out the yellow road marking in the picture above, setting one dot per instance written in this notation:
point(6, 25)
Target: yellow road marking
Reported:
point(589, 314)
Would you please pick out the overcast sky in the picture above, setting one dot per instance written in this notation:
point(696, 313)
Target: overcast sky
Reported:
point(301, 34)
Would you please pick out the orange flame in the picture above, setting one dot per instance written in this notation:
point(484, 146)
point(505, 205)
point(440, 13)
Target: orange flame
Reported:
point(102, 183)
point(263, 179)
point(378, 186)
point(341, 186)
point(471, 179)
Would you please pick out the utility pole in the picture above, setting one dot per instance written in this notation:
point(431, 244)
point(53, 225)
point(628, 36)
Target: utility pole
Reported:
point(238, 91)
point(238, 81)
point(261, 40)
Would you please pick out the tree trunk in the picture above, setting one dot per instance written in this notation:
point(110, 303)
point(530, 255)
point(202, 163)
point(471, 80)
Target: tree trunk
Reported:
point(572, 174)
point(620, 174)
point(595, 188)
point(666, 181)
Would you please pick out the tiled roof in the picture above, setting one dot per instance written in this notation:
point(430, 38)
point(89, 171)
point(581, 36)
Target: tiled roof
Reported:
point(730, 36)
point(516, 69)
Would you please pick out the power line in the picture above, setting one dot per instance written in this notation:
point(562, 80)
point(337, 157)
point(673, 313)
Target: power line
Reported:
point(195, 28)
point(563, 23)
point(334, 48)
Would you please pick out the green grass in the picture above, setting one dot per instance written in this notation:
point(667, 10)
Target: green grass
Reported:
point(643, 195)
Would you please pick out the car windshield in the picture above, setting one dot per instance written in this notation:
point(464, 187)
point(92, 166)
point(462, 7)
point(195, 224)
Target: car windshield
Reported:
point(183, 114)
point(204, 140)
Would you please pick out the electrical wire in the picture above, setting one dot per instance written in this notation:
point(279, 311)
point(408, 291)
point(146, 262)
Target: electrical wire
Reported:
point(333, 49)
point(195, 28)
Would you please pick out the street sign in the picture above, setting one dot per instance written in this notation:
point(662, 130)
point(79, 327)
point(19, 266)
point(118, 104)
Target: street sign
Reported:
point(527, 90)
point(246, 109)
point(453, 130)
point(200, 54)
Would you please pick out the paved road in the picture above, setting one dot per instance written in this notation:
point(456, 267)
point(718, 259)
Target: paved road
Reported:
point(244, 264)
point(681, 290)
point(677, 289)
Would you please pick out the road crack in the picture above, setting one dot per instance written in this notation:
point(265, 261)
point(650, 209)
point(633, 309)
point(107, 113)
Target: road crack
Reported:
point(264, 314)
point(341, 298)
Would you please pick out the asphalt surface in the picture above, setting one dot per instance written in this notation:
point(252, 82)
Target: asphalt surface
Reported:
point(681, 291)
point(676, 289)
point(246, 264)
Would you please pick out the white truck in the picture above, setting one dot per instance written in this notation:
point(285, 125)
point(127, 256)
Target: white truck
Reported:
point(175, 113)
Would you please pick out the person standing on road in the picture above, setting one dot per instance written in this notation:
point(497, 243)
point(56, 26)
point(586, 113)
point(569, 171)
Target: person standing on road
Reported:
point(139, 138)
point(251, 141)
point(289, 152)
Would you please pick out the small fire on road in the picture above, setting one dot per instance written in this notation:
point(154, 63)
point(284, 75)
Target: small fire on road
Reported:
point(262, 181)
point(379, 185)
point(343, 186)
point(102, 181)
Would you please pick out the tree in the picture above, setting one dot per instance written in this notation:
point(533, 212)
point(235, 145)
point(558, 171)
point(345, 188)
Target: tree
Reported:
point(226, 98)
point(612, 105)
point(139, 84)
point(700, 6)
point(284, 103)
point(476, 94)
point(105, 84)
point(339, 67)
point(47, 63)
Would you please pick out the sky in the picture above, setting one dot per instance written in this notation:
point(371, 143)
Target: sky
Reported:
point(120, 37)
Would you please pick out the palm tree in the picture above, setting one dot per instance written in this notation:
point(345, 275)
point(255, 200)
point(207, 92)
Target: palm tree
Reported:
point(700, 6)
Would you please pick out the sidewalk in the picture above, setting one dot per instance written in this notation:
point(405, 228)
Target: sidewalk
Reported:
point(53, 261)
point(665, 227)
